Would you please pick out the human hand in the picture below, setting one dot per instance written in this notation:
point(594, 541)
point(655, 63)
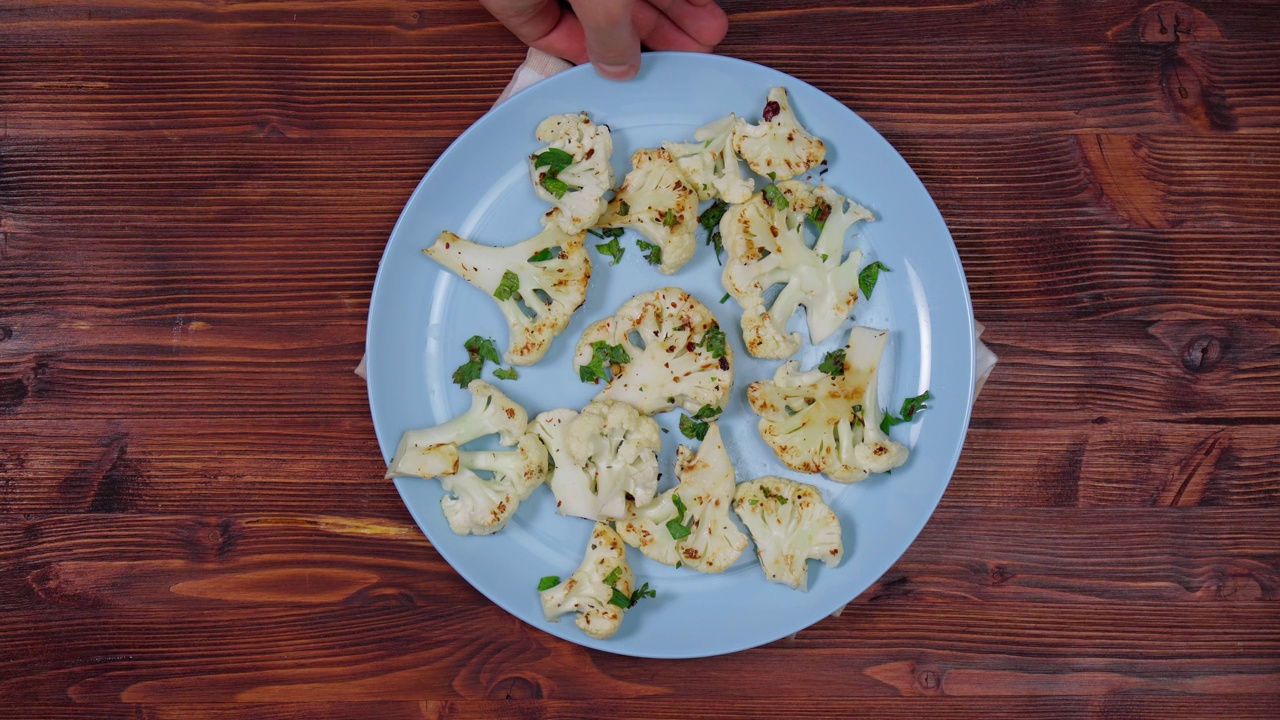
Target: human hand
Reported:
point(608, 33)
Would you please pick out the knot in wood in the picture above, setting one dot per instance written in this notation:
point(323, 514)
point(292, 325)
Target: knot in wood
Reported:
point(1202, 354)
point(930, 680)
point(6, 332)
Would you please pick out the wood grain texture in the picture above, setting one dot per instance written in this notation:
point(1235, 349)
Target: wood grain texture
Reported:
point(194, 197)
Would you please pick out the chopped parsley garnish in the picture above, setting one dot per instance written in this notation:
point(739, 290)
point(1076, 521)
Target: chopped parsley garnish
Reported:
point(643, 592)
point(724, 299)
point(910, 408)
point(553, 158)
point(819, 213)
point(833, 363)
point(548, 582)
point(765, 252)
point(603, 233)
point(613, 576)
point(620, 599)
point(676, 525)
point(669, 220)
point(509, 286)
point(824, 257)
point(710, 220)
point(773, 175)
point(623, 208)
point(612, 249)
point(601, 353)
point(554, 185)
point(478, 350)
point(652, 253)
point(770, 495)
point(693, 429)
point(706, 412)
point(774, 197)
point(506, 374)
point(543, 254)
point(714, 340)
point(868, 276)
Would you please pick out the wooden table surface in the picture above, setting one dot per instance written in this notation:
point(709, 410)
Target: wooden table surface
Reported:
point(193, 522)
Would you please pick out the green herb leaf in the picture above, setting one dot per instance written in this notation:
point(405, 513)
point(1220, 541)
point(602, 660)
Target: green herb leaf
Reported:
point(601, 353)
point(774, 197)
point(467, 372)
point(888, 421)
point(669, 220)
point(478, 350)
point(612, 249)
point(620, 599)
point(773, 175)
point(554, 185)
point(676, 525)
point(753, 501)
point(613, 576)
point(824, 257)
point(868, 276)
point(706, 412)
point(548, 582)
point(724, 299)
point(483, 348)
point(771, 495)
point(833, 363)
point(643, 592)
point(543, 254)
point(623, 208)
point(554, 158)
point(819, 213)
point(508, 287)
point(693, 429)
point(651, 252)
point(765, 252)
point(506, 374)
point(710, 218)
point(714, 341)
point(913, 405)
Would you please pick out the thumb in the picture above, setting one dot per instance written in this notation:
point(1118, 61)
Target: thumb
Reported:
point(612, 42)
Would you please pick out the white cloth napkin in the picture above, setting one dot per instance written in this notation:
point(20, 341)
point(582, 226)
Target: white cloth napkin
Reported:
point(538, 65)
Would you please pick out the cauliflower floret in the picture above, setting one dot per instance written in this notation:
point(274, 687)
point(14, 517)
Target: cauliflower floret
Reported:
point(790, 525)
point(603, 456)
point(574, 171)
point(656, 200)
point(765, 244)
point(473, 504)
point(699, 506)
point(538, 284)
point(681, 357)
point(711, 165)
point(778, 147)
point(817, 422)
point(600, 591)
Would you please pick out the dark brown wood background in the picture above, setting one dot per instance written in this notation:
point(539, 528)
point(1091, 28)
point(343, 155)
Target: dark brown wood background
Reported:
point(193, 199)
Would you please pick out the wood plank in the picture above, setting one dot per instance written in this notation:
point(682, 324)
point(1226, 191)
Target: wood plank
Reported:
point(147, 563)
point(1129, 706)
point(969, 88)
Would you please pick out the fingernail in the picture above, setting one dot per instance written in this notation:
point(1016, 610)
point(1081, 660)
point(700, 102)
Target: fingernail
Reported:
point(625, 71)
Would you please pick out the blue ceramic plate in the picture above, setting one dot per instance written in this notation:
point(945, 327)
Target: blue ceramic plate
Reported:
point(420, 315)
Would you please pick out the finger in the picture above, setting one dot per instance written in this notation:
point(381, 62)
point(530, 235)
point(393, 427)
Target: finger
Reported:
point(701, 20)
point(612, 42)
point(658, 32)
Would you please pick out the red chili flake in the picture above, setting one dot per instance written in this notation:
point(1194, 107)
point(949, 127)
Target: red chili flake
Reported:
point(771, 109)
